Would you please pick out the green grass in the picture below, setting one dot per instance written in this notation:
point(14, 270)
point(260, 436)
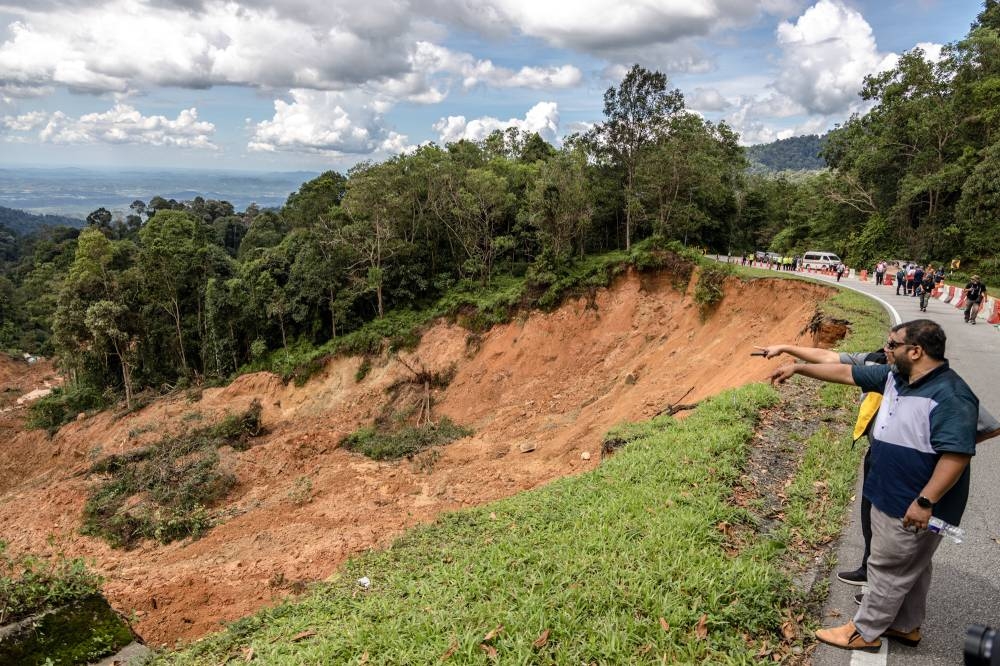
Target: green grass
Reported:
point(594, 560)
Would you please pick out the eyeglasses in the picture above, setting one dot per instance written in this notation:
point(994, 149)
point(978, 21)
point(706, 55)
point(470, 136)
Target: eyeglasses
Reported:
point(891, 344)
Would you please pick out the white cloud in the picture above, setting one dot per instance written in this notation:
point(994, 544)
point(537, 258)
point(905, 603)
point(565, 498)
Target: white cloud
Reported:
point(596, 26)
point(932, 51)
point(542, 118)
point(827, 53)
point(123, 45)
point(326, 122)
point(122, 124)
point(706, 99)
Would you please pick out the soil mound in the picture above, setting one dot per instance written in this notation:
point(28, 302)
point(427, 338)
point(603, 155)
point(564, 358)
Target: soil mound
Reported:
point(554, 382)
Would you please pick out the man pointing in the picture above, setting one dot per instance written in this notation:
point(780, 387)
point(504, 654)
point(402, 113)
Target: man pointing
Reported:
point(922, 439)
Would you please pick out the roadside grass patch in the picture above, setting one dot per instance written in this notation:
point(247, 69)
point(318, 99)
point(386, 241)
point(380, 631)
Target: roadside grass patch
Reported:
point(162, 491)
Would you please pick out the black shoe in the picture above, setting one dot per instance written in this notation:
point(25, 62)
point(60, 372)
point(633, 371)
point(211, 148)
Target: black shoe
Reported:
point(856, 577)
point(858, 598)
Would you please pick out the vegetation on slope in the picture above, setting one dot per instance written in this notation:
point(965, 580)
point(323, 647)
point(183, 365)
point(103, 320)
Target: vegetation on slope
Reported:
point(164, 491)
point(658, 554)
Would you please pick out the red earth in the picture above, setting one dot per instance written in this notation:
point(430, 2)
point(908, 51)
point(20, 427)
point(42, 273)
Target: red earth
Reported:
point(552, 381)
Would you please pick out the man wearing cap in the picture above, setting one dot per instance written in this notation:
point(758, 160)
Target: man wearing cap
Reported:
point(923, 438)
point(975, 291)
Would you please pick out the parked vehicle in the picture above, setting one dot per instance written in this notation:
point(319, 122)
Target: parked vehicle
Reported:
point(820, 259)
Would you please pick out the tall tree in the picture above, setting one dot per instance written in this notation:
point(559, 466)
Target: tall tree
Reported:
point(637, 113)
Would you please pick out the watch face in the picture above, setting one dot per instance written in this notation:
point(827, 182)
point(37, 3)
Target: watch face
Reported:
point(924, 503)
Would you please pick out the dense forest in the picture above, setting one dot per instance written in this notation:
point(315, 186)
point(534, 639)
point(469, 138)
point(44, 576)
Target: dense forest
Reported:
point(175, 292)
point(21, 222)
point(797, 153)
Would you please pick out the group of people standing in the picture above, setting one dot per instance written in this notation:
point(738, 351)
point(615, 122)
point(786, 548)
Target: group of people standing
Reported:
point(919, 281)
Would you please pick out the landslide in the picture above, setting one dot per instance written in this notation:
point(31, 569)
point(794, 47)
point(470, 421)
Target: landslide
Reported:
point(554, 382)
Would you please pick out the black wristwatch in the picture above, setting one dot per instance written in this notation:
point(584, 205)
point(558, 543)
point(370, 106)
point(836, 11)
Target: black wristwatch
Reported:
point(924, 503)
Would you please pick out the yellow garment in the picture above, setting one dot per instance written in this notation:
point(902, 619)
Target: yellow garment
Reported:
point(867, 411)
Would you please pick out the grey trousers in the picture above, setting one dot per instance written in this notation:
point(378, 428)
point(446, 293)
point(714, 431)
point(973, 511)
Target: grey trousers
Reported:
point(899, 577)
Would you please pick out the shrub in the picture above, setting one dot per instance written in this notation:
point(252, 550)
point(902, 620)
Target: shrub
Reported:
point(380, 444)
point(30, 584)
point(161, 491)
point(62, 405)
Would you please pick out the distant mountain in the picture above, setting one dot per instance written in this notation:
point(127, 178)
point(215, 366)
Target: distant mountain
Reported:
point(795, 154)
point(79, 192)
point(22, 222)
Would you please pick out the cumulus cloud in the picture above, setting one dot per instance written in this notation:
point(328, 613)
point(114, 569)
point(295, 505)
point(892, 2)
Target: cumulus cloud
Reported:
point(431, 59)
point(326, 122)
point(827, 53)
point(706, 99)
point(319, 46)
point(122, 124)
point(542, 118)
point(597, 26)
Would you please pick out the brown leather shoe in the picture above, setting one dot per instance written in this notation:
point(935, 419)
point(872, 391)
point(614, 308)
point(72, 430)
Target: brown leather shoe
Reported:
point(847, 637)
point(910, 638)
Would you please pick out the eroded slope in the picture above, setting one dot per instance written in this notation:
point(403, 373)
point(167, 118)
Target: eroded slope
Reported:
point(557, 381)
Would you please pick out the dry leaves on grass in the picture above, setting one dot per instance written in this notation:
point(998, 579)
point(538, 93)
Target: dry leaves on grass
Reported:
point(308, 633)
point(542, 639)
point(490, 651)
point(452, 649)
point(701, 630)
point(490, 635)
point(664, 624)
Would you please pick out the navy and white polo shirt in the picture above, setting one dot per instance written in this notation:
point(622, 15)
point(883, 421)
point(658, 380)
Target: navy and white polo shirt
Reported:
point(915, 424)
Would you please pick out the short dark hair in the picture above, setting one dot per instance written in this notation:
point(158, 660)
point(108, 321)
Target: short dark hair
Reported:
point(927, 334)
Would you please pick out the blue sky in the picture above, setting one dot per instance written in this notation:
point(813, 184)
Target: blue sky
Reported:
point(304, 85)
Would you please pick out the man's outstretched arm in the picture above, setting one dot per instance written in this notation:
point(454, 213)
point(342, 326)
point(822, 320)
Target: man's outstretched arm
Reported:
point(837, 373)
point(807, 354)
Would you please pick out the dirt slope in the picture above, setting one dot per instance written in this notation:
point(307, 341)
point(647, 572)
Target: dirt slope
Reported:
point(557, 380)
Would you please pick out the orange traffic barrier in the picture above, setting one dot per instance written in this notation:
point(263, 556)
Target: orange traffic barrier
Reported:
point(887, 280)
point(948, 295)
point(961, 301)
point(994, 317)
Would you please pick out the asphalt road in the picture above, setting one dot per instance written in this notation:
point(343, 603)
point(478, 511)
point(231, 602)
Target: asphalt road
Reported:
point(966, 580)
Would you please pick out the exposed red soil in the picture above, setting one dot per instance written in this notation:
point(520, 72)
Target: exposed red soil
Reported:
point(558, 381)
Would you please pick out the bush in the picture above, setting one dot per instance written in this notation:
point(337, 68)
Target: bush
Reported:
point(31, 584)
point(161, 491)
point(380, 444)
point(62, 405)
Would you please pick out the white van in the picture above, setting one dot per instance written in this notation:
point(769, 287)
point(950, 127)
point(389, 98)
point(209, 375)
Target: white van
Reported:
point(820, 259)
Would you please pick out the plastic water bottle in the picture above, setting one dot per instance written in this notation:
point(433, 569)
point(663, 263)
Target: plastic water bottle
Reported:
point(935, 524)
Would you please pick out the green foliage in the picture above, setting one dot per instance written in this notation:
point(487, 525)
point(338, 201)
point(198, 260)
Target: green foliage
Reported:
point(708, 291)
point(30, 584)
point(161, 491)
point(381, 444)
point(62, 406)
point(792, 154)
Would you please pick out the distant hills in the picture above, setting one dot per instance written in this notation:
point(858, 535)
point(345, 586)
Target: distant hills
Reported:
point(76, 192)
point(22, 222)
point(799, 153)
